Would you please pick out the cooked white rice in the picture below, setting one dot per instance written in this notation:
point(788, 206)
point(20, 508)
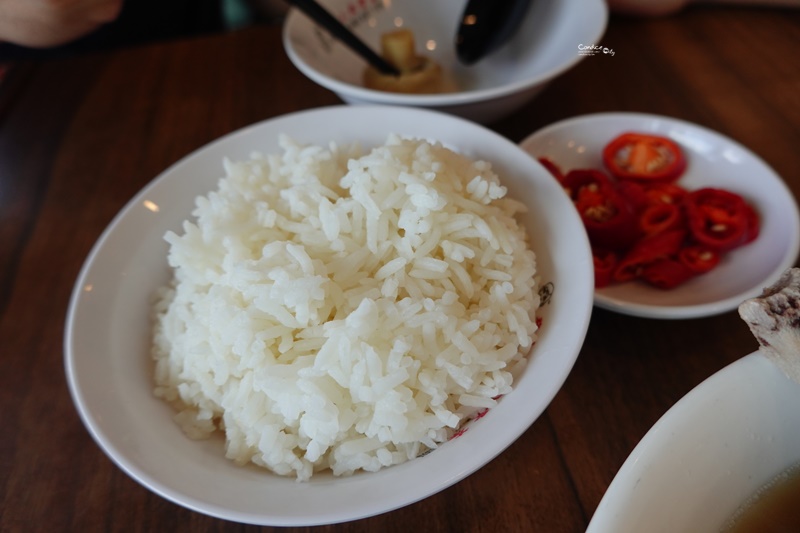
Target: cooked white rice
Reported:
point(333, 310)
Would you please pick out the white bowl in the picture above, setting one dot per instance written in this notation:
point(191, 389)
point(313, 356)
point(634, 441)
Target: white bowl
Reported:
point(713, 161)
point(108, 335)
point(545, 46)
point(708, 454)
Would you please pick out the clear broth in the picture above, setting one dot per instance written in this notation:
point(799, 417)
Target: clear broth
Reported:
point(774, 508)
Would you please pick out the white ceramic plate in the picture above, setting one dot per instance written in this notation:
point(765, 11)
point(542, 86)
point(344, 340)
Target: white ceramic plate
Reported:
point(547, 44)
point(708, 454)
point(108, 336)
point(713, 161)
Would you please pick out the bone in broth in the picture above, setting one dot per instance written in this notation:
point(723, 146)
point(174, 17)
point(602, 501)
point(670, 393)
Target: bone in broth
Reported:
point(774, 508)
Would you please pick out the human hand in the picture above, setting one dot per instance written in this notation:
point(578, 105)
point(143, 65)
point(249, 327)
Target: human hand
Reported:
point(48, 23)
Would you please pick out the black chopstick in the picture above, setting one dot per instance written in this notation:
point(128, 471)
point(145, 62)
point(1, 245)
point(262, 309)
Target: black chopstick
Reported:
point(322, 17)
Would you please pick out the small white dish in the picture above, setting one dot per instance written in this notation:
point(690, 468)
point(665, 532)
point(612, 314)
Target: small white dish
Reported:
point(550, 41)
point(709, 453)
point(107, 337)
point(713, 161)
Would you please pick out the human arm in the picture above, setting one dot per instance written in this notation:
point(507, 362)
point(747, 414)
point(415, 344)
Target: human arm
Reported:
point(48, 23)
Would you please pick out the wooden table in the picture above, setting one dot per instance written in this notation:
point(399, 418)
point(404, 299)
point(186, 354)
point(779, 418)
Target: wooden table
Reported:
point(80, 136)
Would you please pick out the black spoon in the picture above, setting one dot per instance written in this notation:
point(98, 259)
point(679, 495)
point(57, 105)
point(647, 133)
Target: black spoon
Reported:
point(322, 17)
point(486, 25)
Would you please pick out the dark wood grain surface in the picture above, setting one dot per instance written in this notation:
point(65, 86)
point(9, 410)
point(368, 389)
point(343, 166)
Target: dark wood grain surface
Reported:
point(80, 136)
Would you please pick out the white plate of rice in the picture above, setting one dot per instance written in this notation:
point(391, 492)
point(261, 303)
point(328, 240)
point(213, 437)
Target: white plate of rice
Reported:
point(332, 303)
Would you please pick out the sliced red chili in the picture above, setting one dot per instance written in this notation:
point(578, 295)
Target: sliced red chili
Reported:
point(554, 169)
point(645, 157)
point(646, 251)
point(657, 218)
point(642, 225)
point(665, 193)
point(607, 216)
point(666, 273)
point(577, 179)
point(635, 193)
point(610, 224)
point(718, 218)
point(604, 263)
point(753, 224)
point(698, 258)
